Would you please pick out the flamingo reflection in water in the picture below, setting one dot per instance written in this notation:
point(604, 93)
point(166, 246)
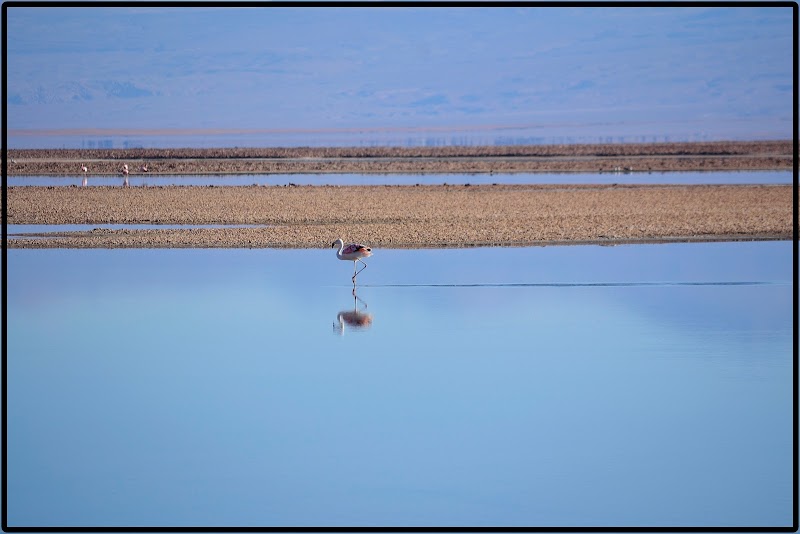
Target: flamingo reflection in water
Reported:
point(355, 319)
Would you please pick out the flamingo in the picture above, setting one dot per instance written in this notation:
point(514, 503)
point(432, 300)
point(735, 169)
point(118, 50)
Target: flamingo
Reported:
point(125, 170)
point(85, 169)
point(144, 168)
point(353, 252)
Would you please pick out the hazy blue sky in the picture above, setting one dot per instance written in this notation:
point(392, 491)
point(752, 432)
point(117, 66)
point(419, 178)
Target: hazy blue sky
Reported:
point(725, 72)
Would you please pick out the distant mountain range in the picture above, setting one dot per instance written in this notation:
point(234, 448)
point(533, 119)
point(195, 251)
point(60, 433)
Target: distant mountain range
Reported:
point(545, 73)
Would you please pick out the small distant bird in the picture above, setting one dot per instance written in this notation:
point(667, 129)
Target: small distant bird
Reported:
point(125, 170)
point(84, 168)
point(353, 252)
point(144, 168)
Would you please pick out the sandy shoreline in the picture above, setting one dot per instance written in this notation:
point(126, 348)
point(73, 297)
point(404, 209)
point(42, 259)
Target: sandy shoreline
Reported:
point(644, 157)
point(405, 216)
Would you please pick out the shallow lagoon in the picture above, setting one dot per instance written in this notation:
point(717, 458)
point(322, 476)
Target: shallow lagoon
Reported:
point(556, 386)
point(705, 177)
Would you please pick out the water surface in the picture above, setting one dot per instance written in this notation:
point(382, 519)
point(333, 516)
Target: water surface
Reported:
point(636, 385)
point(726, 177)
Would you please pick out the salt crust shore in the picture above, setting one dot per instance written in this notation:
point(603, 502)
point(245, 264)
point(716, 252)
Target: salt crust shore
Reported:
point(404, 216)
point(656, 157)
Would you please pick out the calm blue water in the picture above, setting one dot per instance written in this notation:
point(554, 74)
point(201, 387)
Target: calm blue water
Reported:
point(637, 385)
point(737, 177)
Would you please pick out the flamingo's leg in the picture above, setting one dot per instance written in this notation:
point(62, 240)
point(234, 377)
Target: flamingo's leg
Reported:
point(361, 269)
point(357, 299)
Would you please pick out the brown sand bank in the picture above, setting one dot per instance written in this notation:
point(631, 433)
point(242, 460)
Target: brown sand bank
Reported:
point(405, 216)
point(634, 157)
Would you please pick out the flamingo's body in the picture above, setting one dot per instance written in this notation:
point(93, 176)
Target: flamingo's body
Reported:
point(353, 252)
point(125, 170)
point(84, 168)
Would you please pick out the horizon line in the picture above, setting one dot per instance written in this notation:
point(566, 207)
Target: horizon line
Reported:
point(240, 131)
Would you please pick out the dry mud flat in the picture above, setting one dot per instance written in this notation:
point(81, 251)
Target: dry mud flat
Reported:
point(404, 216)
point(749, 155)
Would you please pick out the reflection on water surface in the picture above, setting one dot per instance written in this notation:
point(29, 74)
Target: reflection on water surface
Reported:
point(639, 385)
point(355, 318)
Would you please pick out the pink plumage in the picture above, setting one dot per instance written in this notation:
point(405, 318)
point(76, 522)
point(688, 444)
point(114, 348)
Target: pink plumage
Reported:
point(353, 248)
point(353, 252)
